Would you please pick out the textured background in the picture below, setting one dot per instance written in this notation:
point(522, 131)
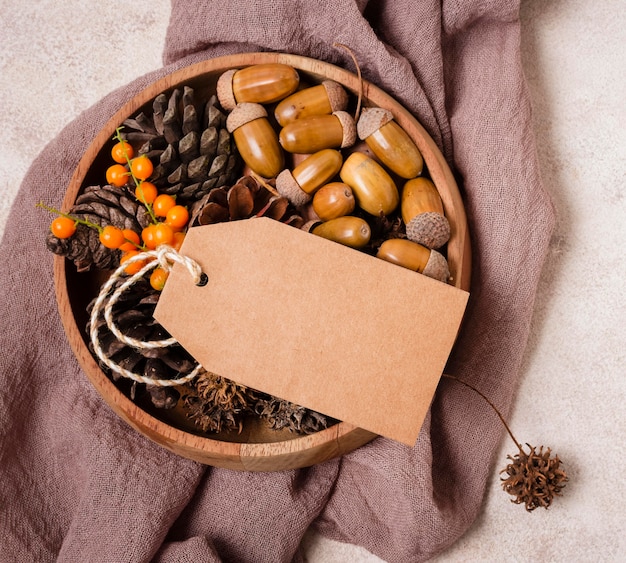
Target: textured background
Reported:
point(56, 59)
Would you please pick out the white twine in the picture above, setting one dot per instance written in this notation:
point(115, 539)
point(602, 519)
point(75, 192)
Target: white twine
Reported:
point(164, 256)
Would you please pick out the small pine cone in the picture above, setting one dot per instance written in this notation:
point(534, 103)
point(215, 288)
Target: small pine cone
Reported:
point(216, 403)
point(247, 198)
point(133, 315)
point(188, 144)
point(101, 205)
point(281, 414)
point(534, 479)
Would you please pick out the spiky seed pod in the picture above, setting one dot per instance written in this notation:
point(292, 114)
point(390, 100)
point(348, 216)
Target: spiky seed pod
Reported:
point(217, 404)
point(533, 478)
point(133, 315)
point(281, 414)
point(188, 143)
point(247, 198)
point(101, 205)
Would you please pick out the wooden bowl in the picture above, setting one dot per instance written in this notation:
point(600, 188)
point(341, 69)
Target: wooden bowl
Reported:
point(256, 448)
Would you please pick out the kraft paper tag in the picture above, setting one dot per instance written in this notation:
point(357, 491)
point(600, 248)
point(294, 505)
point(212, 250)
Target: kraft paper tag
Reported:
point(314, 322)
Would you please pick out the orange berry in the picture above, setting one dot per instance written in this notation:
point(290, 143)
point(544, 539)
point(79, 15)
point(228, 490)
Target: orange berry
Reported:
point(178, 240)
point(121, 151)
point(132, 240)
point(158, 278)
point(141, 167)
point(111, 237)
point(146, 192)
point(162, 204)
point(163, 234)
point(147, 235)
point(134, 267)
point(117, 175)
point(63, 227)
point(177, 217)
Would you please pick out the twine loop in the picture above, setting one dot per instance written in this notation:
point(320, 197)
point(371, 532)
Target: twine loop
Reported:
point(164, 256)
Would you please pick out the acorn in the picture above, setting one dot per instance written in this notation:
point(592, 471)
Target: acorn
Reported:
point(422, 213)
point(349, 231)
point(325, 98)
point(333, 200)
point(260, 84)
point(373, 188)
point(416, 257)
point(299, 184)
point(256, 139)
point(389, 142)
point(317, 132)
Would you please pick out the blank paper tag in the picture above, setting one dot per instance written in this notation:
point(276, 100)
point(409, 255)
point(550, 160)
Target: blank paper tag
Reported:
point(314, 322)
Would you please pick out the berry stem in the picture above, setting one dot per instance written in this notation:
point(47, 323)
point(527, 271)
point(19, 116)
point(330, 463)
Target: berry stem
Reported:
point(491, 405)
point(77, 220)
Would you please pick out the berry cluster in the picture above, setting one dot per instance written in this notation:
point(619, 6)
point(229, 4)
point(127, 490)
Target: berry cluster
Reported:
point(168, 219)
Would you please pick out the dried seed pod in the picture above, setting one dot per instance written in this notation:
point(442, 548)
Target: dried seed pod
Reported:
point(416, 257)
point(306, 178)
point(348, 230)
point(325, 98)
point(256, 139)
point(373, 188)
point(260, 84)
point(422, 213)
point(389, 142)
point(317, 132)
point(333, 200)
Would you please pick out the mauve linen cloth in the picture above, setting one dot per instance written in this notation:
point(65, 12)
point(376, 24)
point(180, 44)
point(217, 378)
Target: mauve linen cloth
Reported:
point(78, 484)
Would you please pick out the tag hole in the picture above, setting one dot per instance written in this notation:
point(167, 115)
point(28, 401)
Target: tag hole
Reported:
point(204, 279)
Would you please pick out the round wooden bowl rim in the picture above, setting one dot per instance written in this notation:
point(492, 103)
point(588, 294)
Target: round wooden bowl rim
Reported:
point(267, 456)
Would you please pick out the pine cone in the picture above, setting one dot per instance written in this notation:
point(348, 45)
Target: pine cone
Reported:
point(188, 143)
point(216, 403)
point(281, 414)
point(247, 198)
point(133, 315)
point(103, 206)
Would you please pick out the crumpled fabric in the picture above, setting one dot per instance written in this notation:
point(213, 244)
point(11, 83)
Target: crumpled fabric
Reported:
point(78, 484)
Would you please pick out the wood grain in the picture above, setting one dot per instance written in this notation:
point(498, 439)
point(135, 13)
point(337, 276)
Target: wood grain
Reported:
point(260, 451)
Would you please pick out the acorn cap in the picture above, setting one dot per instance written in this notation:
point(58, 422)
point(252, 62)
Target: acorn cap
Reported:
point(371, 120)
point(337, 96)
point(287, 186)
point(224, 88)
point(430, 229)
point(244, 113)
point(437, 267)
point(348, 126)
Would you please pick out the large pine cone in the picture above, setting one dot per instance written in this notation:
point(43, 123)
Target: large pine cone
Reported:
point(101, 205)
point(133, 315)
point(188, 143)
point(247, 198)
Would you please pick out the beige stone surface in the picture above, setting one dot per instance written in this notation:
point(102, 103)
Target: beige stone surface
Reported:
point(58, 58)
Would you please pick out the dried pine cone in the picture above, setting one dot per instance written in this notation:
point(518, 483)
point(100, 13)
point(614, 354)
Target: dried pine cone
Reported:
point(281, 414)
point(216, 403)
point(188, 143)
point(534, 479)
point(247, 198)
point(101, 205)
point(133, 316)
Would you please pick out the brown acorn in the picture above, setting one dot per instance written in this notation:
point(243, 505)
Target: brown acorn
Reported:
point(389, 142)
point(422, 213)
point(317, 132)
point(349, 231)
point(325, 98)
point(256, 139)
point(333, 200)
point(299, 184)
point(260, 84)
point(374, 190)
point(416, 257)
